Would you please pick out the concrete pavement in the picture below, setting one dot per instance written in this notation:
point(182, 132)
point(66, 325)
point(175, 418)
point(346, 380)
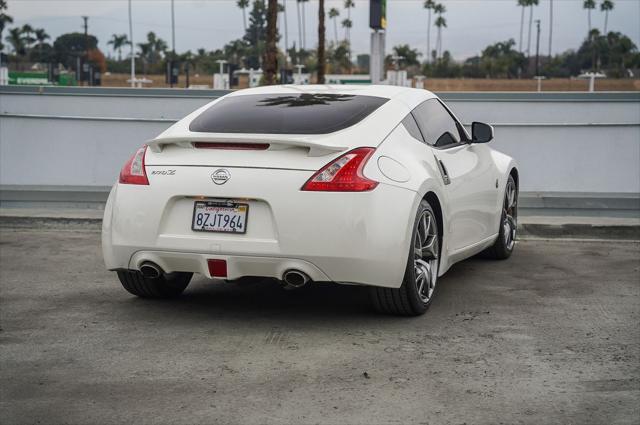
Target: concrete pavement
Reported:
point(548, 336)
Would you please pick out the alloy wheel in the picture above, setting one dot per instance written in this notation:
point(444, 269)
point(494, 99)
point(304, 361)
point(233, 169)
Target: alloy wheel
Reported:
point(510, 215)
point(426, 255)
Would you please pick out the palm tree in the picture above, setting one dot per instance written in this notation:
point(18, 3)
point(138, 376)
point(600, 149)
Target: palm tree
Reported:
point(243, 4)
point(589, 5)
point(27, 31)
point(333, 14)
point(321, 37)
point(270, 56)
point(550, 26)
point(605, 7)
point(523, 4)
point(440, 23)
point(16, 40)
point(346, 24)
point(41, 37)
point(439, 10)
point(118, 42)
point(151, 51)
point(4, 20)
point(348, 4)
point(429, 5)
point(531, 3)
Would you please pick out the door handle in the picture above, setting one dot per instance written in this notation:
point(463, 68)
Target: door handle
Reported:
point(443, 172)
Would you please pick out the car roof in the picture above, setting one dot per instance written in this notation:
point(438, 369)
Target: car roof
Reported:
point(385, 91)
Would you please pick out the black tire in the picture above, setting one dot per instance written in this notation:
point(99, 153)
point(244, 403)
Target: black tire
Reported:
point(168, 286)
point(503, 246)
point(405, 300)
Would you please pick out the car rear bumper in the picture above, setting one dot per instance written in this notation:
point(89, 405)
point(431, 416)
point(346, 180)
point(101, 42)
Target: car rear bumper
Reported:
point(358, 238)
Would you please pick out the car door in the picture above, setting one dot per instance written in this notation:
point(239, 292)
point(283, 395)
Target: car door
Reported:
point(468, 172)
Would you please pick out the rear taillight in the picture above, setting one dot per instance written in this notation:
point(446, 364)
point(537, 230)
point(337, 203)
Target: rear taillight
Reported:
point(343, 174)
point(133, 171)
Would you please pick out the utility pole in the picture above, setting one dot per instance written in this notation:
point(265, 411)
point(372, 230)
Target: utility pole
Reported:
point(538, 48)
point(550, 26)
point(173, 44)
point(86, 44)
point(133, 57)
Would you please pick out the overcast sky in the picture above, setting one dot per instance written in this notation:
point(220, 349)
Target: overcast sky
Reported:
point(472, 24)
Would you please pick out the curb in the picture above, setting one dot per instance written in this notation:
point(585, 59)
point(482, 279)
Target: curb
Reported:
point(527, 230)
point(50, 223)
point(580, 231)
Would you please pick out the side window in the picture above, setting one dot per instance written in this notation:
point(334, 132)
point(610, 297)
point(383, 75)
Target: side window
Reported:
point(410, 124)
point(436, 124)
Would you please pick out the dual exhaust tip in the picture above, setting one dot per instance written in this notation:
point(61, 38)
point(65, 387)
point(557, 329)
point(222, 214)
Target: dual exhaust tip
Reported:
point(151, 270)
point(292, 278)
point(295, 279)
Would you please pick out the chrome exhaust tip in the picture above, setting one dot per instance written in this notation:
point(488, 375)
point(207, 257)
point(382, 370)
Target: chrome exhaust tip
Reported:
point(151, 270)
point(295, 278)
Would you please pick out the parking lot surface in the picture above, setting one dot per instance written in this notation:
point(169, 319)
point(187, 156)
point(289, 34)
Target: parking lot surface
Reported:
point(548, 336)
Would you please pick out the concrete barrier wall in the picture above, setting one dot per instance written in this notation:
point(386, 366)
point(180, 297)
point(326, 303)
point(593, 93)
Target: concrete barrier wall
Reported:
point(578, 143)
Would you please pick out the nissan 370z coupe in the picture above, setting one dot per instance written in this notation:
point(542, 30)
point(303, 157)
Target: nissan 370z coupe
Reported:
point(361, 185)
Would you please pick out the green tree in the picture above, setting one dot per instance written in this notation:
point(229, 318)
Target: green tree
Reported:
point(256, 34)
point(151, 52)
point(68, 47)
point(501, 60)
point(410, 56)
point(118, 42)
point(339, 58)
point(16, 40)
point(606, 6)
point(589, 5)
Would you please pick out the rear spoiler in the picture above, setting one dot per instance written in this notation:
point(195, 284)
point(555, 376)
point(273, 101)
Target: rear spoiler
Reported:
point(316, 147)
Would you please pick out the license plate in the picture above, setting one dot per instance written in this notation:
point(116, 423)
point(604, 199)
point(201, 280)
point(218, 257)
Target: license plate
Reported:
point(219, 217)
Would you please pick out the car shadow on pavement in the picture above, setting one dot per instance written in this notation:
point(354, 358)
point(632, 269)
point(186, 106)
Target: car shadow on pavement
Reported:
point(255, 298)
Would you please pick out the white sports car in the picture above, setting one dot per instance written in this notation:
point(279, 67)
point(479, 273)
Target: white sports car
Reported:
point(361, 185)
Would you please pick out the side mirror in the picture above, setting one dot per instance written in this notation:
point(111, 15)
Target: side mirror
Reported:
point(481, 132)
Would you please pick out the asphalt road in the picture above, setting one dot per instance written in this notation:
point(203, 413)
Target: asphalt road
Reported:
point(550, 336)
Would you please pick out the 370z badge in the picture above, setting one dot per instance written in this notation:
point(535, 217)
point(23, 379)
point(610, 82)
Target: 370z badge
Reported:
point(220, 176)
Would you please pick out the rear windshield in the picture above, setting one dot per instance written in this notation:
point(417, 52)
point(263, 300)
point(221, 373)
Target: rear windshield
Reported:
point(286, 113)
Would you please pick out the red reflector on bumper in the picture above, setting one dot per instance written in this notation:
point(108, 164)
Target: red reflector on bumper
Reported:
point(217, 268)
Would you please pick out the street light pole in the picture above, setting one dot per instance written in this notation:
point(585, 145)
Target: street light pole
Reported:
point(538, 48)
point(86, 45)
point(133, 58)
